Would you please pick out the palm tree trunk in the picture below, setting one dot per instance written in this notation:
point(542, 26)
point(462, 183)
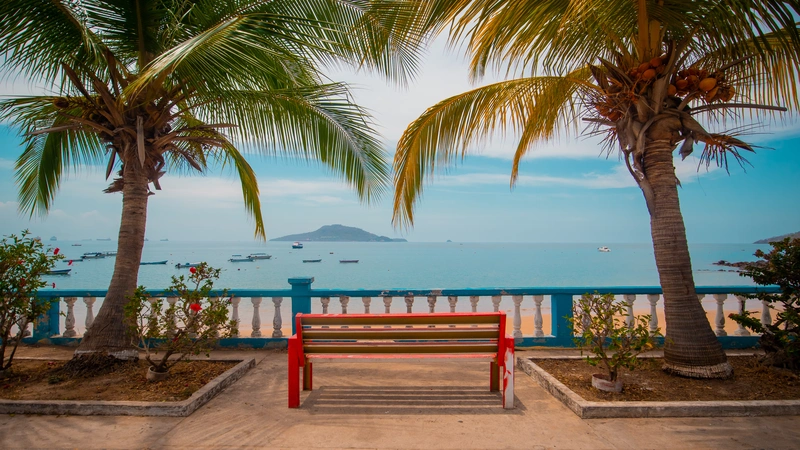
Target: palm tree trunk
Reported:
point(691, 349)
point(108, 334)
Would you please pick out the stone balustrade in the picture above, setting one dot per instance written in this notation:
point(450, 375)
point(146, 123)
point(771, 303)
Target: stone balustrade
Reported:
point(536, 315)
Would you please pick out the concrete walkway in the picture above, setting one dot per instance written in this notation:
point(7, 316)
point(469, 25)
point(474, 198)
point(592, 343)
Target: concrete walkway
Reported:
point(379, 404)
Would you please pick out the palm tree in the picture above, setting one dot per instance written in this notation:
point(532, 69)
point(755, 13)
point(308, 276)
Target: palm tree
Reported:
point(640, 73)
point(150, 86)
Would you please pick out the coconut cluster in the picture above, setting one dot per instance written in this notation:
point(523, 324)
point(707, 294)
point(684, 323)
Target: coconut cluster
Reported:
point(710, 86)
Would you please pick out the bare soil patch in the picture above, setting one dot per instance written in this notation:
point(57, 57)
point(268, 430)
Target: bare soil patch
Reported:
point(751, 381)
point(44, 380)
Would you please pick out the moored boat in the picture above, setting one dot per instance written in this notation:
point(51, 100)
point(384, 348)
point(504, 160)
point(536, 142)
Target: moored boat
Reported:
point(603, 249)
point(259, 256)
point(187, 264)
point(93, 255)
point(59, 272)
point(297, 244)
point(240, 258)
point(348, 261)
point(151, 263)
point(311, 260)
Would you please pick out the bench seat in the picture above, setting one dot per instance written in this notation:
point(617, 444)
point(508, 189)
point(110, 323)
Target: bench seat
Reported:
point(472, 336)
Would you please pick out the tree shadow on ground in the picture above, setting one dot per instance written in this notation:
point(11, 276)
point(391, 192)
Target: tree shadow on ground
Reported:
point(366, 400)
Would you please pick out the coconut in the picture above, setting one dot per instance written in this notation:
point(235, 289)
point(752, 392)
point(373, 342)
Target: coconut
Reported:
point(707, 84)
point(648, 74)
point(672, 90)
point(657, 61)
point(682, 84)
point(644, 66)
point(711, 94)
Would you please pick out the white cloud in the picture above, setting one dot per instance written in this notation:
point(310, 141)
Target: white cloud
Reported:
point(326, 199)
point(6, 164)
point(11, 205)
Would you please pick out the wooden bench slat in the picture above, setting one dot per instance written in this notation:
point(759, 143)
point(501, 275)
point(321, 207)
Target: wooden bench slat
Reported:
point(398, 319)
point(486, 356)
point(339, 347)
point(400, 333)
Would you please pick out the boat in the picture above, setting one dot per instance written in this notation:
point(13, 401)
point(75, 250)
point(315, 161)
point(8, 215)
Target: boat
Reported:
point(185, 265)
point(603, 249)
point(297, 245)
point(259, 256)
point(108, 253)
point(152, 263)
point(311, 260)
point(343, 261)
point(240, 258)
point(164, 240)
point(53, 238)
point(93, 255)
point(106, 239)
point(76, 245)
point(59, 272)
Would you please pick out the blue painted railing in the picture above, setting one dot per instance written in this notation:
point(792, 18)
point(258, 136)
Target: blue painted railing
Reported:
point(300, 294)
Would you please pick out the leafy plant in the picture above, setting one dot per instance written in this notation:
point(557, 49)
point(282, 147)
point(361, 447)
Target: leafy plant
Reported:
point(23, 261)
point(598, 324)
point(191, 325)
point(781, 267)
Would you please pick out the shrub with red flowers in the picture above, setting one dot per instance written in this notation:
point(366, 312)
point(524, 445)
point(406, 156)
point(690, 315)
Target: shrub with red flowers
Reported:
point(23, 261)
point(188, 326)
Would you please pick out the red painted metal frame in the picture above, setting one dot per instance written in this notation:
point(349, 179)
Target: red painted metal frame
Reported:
point(502, 365)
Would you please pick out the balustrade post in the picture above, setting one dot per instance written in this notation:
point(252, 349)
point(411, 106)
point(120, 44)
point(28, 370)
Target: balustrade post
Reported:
point(537, 316)
point(277, 321)
point(235, 313)
point(325, 301)
point(409, 303)
point(473, 301)
point(366, 301)
point(720, 317)
point(171, 318)
point(517, 316)
point(89, 302)
point(741, 331)
point(69, 323)
point(301, 297)
point(496, 302)
point(452, 300)
point(653, 299)
point(344, 301)
point(766, 317)
point(629, 299)
point(256, 301)
point(153, 319)
point(432, 303)
point(387, 304)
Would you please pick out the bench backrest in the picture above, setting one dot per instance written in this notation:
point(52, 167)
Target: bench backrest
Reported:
point(436, 333)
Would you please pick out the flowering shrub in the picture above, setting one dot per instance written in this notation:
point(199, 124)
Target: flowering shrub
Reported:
point(23, 261)
point(191, 325)
point(599, 325)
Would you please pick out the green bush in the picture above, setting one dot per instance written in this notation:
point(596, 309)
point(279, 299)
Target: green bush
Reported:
point(598, 325)
point(23, 261)
point(781, 267)
point(192, 325)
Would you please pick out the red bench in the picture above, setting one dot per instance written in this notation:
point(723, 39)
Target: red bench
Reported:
point(389, 336)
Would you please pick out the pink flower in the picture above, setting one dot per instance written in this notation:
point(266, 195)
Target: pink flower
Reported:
point(195, 307)
point(54, 285)
point(192, 269)
point(69, 263)
point(55, 252)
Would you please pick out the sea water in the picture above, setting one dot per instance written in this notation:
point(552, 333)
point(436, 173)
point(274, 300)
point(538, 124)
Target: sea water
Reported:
point(410, 265)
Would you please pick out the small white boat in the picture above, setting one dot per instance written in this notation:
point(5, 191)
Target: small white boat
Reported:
point(259, 256)
point(348, 261)
point(108, 253)
point(240, 258)
point(93, 255)
point(603, 249)
point(59, 272)
point(185, 265)
point(297, 245)
point(152, 263)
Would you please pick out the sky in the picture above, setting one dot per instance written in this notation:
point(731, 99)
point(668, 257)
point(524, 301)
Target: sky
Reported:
point(567, 192)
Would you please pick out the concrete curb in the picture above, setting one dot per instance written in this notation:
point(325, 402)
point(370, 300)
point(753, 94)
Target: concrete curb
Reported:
point(99, 408)
point(606, 410)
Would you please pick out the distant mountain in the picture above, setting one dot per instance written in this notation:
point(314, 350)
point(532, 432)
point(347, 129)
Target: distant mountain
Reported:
point(337, 233)
point(778, 238)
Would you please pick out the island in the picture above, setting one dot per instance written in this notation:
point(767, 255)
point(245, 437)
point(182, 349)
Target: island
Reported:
point(337, 233)
point(778, 238)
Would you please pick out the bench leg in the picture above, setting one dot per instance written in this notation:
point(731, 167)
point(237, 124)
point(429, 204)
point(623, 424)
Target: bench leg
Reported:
point(307, 380)
point(508, 377)
point(494, 376)
point(294, 376)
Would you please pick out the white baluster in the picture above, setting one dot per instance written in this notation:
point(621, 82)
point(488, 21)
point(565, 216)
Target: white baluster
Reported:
point(69, 323)
point(473, 301)
point(325, 302)
point(517, 316)
point(766, 317)
point(172, 318)
point(741, 331)
point(256, 301)
point(409, 303)
point(153, 320)
point(89, 302)
point(653, 299)
point(431, 303)
point(629, 299)
point(537, 316)
point(387, 304)
point(720, 318)
point(496, 302)
point(452, 300)
point(235, 313)
point(344, 301)
point(366, 301)
point(23, 323)
point(277, 321)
